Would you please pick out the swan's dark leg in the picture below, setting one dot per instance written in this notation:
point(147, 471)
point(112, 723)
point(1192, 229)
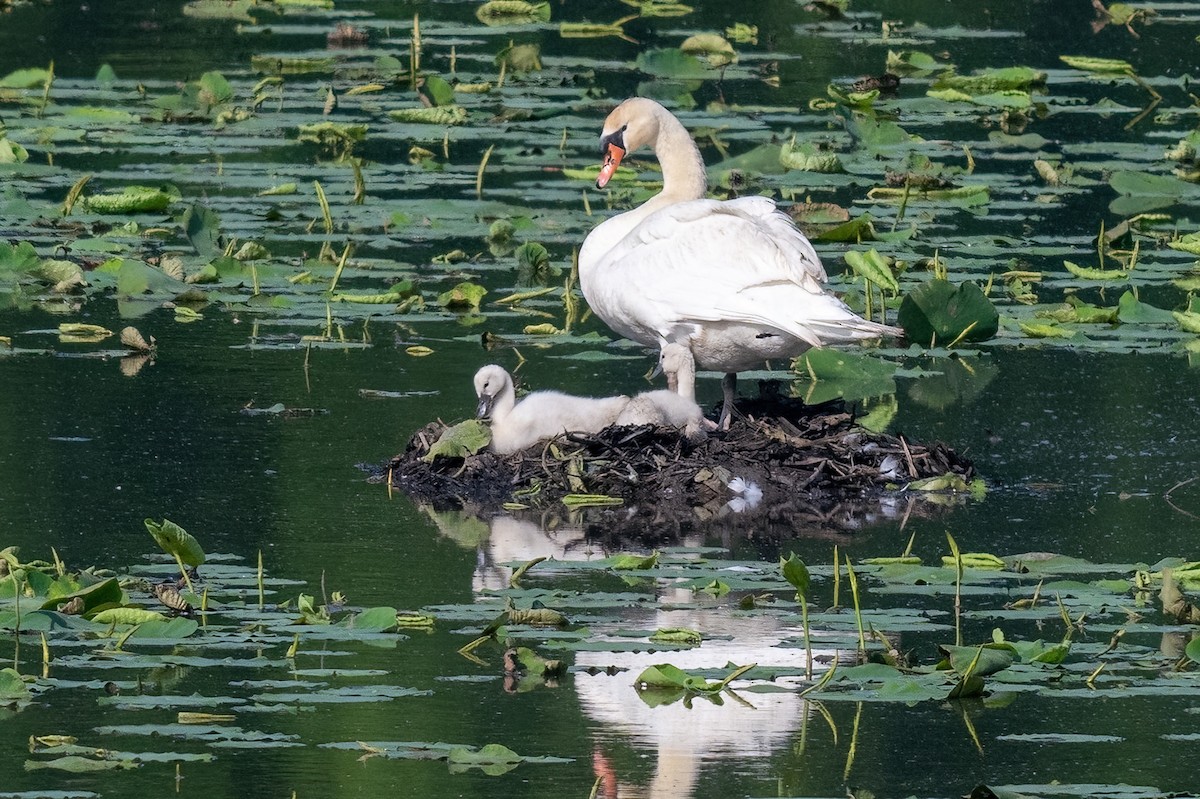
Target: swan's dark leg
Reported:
point(729, 387)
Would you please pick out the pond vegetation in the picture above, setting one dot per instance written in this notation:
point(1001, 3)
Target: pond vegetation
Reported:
point(300, 227)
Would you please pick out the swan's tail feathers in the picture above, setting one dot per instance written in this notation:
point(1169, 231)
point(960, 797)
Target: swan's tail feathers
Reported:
point(853, 329)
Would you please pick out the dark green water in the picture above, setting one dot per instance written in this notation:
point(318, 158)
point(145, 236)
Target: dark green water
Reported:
point(1079, 447)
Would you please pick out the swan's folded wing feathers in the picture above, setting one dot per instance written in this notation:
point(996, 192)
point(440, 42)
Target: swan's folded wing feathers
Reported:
point(692, 264)
point(723, 243)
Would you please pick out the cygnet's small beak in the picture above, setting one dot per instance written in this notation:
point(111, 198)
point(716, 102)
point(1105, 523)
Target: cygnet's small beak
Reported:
point(613, 154)
point(657, 370)
point(486, 401)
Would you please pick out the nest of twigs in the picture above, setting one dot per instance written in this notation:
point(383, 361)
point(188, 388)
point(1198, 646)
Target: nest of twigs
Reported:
point(803, 459)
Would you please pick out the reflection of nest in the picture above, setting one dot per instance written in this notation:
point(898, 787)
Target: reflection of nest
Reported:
point(814, 463)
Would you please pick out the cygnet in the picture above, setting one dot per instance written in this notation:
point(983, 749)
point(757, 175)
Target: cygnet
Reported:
point(539, 416)
point(665, 408)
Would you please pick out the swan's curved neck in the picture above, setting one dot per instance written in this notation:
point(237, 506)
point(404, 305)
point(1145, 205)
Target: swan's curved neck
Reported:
point(684, 179)
point(685, 380)
point(505, 401)
point(684, 176)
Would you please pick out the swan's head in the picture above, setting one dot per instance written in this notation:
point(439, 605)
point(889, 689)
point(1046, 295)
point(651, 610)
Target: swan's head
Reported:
point(632, 124)
point(490, 383)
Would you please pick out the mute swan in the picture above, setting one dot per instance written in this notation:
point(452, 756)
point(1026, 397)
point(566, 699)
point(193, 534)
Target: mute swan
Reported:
point(666, 408)
point(539, 416)
point(734, 281)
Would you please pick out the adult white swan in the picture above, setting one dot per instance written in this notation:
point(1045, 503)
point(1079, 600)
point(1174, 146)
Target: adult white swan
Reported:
point(733, 281)
point(539, 416)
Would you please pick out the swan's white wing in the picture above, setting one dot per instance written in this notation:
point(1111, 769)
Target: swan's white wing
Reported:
point(705, 261)
point(748, 236)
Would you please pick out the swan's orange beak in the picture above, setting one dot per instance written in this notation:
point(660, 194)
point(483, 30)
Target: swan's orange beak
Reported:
point(612, 160)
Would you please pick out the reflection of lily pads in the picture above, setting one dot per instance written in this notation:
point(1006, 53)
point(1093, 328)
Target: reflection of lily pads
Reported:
point(956, 381)
point(940, 312)
point(840, 374)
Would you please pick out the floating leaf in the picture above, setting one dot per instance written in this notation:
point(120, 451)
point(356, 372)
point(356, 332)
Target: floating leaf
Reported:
point(1103, 66)
point(975, 560)
point(537, 617)
point(493, 759)
point(82, 331)
point(665, 675)
point(807, 157)
point(1189, 243)
point(677, 635)
point(1040, 330)
point(911, 62)
point(127, 616)
point(34, 78)
point(1189, 321)
point(628, 561)
point(463, 439)
point(102, 594)
point(713, 48)
point(1088, 273)
point(12, 687)
point(992, 81)
point(433, 115)
point(672, 63)
point(130, 200)
point(942, 312)
point(463, 296)
point(77, 764)
point(1131, 310)
point(512, 12)
point(982, 661)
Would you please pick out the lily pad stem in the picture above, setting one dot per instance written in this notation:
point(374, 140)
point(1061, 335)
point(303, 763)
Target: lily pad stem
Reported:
point(183, 570)
point(862, 640)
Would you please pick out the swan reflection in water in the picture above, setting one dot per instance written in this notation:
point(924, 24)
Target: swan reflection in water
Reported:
point(746, 727)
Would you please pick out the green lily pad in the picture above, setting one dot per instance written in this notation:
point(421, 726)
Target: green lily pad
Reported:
point(1131, 310)
point(176, 541)
point(940, 312)
point(12, 687)
point(130, 200)
point(463, 439)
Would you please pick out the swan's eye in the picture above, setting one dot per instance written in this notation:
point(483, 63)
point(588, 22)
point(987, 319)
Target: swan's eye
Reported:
point(617, 137)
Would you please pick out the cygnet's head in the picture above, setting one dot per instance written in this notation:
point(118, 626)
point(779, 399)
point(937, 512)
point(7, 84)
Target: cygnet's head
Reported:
point(675, 358)
point(631, 125)
point(490, 382)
